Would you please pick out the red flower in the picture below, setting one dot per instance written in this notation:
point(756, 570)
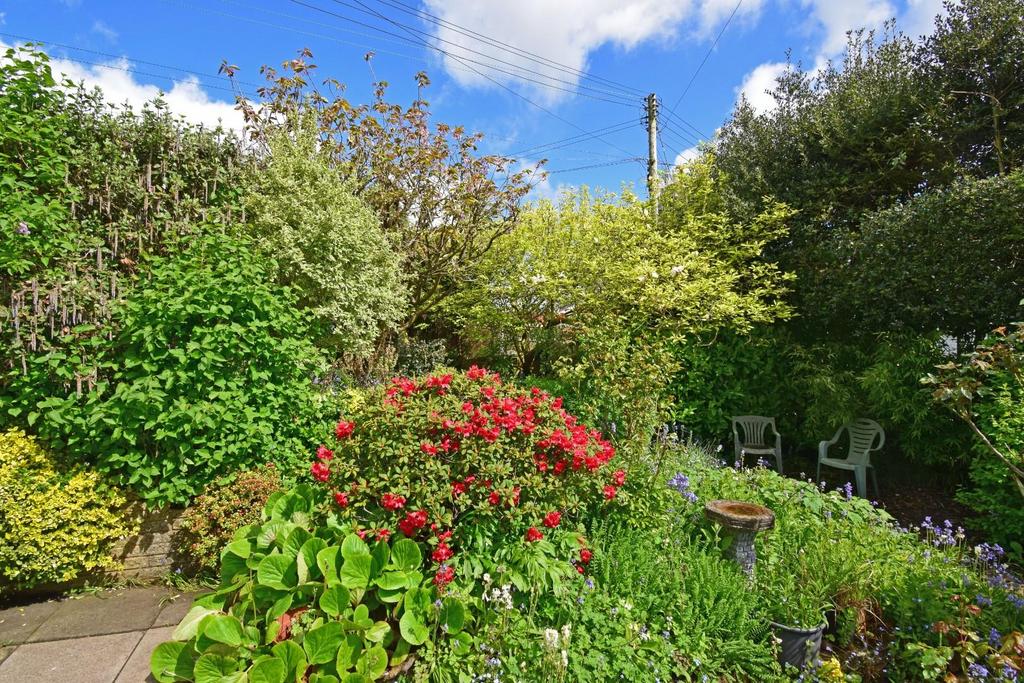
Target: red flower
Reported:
point(468, 408)
point(361, 533)
point(476, 373)
point(344, 429)
point(533, 534)
point(441, 553)
point(444, 576)
point(429, 448)
point(585, 556)
point(390, 501)
point(412, 522)
point(382, 534)
point(619, 477)
point(321, 472)
point(609, 492)
point(515, 496)
point(552, 519)
point(341, 499)
point(444, 536)
point(324, 453)
point(458, 488)
point(559, 467)
point(494, 498)
point(579, 569)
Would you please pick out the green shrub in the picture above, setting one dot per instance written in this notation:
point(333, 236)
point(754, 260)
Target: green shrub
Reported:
point(56, 523)
point(211, 373)
point(474, 463)
point(325, 243)
point(212, 519)
point(301, 598)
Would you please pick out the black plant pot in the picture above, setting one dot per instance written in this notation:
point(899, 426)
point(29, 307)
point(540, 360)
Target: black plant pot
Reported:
point(800, 646)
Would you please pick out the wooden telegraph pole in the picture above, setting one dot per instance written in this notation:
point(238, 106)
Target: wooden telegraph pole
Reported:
point(652, 150)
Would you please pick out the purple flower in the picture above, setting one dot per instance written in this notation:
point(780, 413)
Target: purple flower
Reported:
point(977, 672)
point(982, 601)
point(23, 228)
point(994, 637)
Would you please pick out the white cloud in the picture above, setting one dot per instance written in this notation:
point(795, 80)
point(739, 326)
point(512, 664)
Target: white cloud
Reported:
point(688, 154)
point(836, 17)
point(185, 97)
point(713, 12)
point(757, 83)
point(919, 17)
point(565, 32)
point(108, 34)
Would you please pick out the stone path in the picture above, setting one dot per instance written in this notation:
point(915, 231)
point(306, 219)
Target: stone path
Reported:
point(102, 638)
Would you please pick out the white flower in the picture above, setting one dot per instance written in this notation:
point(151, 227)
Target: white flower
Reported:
point(486, 578)
point(676, 270)
point(654, 275)
point(551, 638)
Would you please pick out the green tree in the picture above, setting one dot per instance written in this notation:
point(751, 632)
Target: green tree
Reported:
point(325, 242)
point(441, 203)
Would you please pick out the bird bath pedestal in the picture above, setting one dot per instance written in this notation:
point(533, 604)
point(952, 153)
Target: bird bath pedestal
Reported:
point(742, 521)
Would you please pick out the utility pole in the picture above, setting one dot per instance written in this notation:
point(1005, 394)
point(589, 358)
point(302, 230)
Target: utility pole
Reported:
point(652, 150)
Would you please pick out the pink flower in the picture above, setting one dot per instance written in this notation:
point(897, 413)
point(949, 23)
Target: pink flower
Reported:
point(323, 453)
point(344, 429)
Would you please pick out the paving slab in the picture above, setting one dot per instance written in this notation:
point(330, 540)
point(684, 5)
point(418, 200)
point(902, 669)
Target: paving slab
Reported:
point(96, 659)
point(5, 652)
point(136, 669)
point(110, 612)
point(17, 624)
point(175, 609)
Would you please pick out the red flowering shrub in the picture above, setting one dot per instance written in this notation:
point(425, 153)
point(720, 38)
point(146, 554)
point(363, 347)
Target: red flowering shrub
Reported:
point(457, 459)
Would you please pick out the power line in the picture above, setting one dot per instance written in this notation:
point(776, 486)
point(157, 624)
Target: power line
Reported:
point(685, 124)
point(682, 136)
point(494, 42)
point(462, 58)
point(618, 162)
point(706, 56)
point(130, 59)
point(571, 140)
point(498, 83)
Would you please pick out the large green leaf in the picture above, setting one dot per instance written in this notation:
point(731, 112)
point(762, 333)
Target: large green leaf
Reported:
point(334, 601)
point(453, 615)
point(172, 662)
point(373, 663)
point(267, 670)
point(321, 644)
point(294, 659)
point(406, 555)
point(355, 572)
point(278, 571)
point(392, 580)
point(353, 546)
point(309, 570)
point(348, 653)
point(328, 560)
point(377, 632)
point(296, 539)
point(223, 628)
point(211, 668)
point(412, 629)
point(189, 626)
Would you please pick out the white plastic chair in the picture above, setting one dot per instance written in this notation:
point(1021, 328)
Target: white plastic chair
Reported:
point(863, 435)
point(755, 439)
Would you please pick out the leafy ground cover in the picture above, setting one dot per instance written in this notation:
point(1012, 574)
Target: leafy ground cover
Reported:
point(441, 539)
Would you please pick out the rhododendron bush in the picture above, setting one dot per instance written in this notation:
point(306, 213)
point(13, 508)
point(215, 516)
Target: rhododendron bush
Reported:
point(467, 462)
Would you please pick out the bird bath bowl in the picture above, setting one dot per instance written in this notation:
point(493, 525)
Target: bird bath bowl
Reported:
point(742, 521)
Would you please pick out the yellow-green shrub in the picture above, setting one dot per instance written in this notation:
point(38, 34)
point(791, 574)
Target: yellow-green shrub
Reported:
point(55, 522)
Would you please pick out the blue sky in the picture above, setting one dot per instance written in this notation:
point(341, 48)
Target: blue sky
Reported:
point(626, 48)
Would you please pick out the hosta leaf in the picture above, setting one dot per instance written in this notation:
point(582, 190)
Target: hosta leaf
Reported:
point(353, 546)
point(355, 572)
point(267, 670)
point(412, 629)
point(373, 663)
point(348, 652)
point(453, 615)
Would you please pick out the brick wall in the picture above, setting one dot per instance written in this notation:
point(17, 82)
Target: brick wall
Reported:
point(149, 554)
